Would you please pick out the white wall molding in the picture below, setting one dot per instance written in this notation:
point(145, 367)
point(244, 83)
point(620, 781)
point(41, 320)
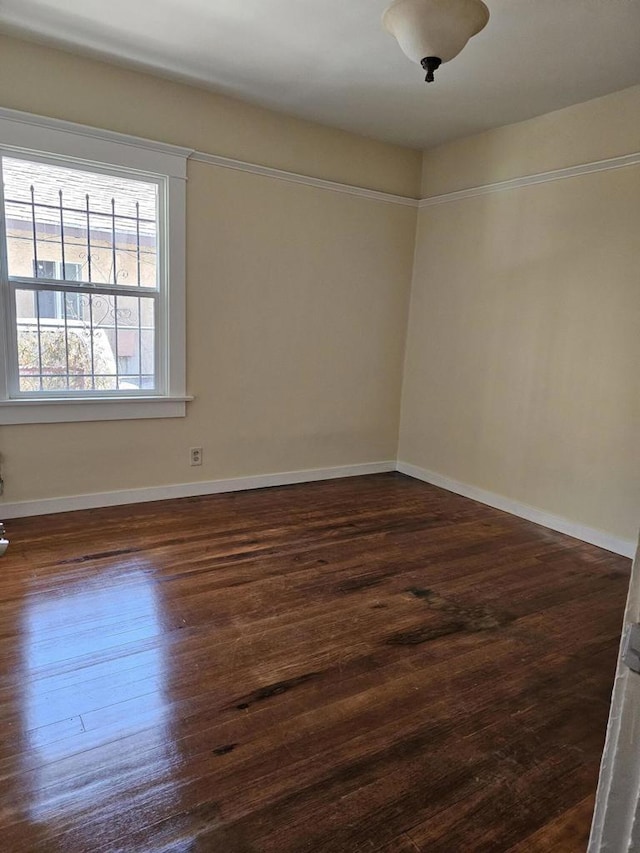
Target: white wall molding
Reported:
point(161, 149)
point(530, 180)
point(306, 180)
point(75, 410)
point(51, 127)
point(92, 144)
point(625, 547)
point(49, 506)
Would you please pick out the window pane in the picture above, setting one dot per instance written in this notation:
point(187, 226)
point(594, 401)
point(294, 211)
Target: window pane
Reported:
point(71, 225)
point(85, 342)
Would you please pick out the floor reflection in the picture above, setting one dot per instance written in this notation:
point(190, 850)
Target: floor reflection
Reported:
point(96, 714)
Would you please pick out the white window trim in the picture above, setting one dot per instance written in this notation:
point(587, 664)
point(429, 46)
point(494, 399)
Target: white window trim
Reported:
point(29, 134)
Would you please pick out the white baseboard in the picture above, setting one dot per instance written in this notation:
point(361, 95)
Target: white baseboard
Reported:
point(49, 506)
point(625, 547)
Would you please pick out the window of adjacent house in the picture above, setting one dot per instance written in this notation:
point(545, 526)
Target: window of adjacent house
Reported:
point(54, 305)
point(92, 274)
point(85, 283)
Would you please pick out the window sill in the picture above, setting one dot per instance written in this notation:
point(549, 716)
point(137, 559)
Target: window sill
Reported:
point(60, 410)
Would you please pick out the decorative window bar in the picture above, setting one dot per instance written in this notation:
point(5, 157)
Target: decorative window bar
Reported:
point(139, 252)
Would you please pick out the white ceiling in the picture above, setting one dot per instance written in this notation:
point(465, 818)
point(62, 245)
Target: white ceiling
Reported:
point(332, 62)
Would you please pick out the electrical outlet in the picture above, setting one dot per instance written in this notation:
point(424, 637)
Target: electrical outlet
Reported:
point(195, 455)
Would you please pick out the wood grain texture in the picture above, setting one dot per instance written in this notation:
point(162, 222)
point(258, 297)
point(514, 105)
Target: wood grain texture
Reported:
point(370, 665)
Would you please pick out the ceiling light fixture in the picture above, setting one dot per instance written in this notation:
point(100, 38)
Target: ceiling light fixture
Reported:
point(431, 32)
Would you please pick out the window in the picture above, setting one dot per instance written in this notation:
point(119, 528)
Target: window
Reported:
point(84, 280)
point(92, 277)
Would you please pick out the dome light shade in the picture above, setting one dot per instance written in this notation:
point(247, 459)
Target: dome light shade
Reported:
point(431, 32)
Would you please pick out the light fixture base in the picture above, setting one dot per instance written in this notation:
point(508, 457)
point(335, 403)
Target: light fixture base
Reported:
point(432, 32)
point(430, 65)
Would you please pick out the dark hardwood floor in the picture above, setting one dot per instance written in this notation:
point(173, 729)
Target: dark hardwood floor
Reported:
point(369, 665)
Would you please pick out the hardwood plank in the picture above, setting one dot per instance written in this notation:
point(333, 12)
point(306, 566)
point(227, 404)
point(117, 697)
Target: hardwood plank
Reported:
point(362, 665)
point(568, 833)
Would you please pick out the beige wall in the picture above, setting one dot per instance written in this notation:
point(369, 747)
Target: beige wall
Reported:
point(521, 371)
point(297, 297)
point(523, 360)
point(596, 130)
point(54, 83)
